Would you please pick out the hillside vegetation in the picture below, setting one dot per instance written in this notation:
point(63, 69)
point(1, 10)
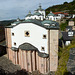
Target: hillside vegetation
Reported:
point(63, 59)
point(66, 7)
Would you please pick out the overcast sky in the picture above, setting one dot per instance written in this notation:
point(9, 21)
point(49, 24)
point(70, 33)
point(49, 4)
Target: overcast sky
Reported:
point(12, 9)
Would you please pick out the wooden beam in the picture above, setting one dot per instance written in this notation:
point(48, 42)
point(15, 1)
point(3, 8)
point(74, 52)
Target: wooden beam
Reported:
point(29, 61)
point(37, 61)
point(16, 57)
point(45, 65)
point(20, 57)
point(40, 64)
point(33, 60)
point(25, 60)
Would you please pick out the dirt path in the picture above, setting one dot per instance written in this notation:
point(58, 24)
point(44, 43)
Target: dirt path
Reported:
point(7, 65)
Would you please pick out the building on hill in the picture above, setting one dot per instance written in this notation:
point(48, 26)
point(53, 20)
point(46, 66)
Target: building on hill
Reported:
point(71, 23)
point(61, 14)
point(41, 11)
point(52, 16)
point(68, 28)
point(67, 37)
point(28, 16)
point(33, 44)
point(38, 14)
point(73, 16)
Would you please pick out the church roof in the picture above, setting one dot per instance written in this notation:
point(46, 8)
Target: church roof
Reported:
point(30, 47)
point(51, 14)
point(52, 24)
point(48, 22)
point(40, 8)
point(29, 14)
point(27, 46)
point(37, 13)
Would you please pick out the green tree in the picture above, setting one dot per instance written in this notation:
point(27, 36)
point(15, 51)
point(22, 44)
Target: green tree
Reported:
point(65, 2)
point(63, 26)
point(73, 0)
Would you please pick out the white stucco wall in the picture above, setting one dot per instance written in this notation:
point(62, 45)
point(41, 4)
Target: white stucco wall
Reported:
point(36, 35)
point(54, 18)
point(51, 17)
point(61, 15)
point(57, 18)
point(27, 17)
point(37, 17)
point(73, 15)
point(42, 12)
point(67, 43)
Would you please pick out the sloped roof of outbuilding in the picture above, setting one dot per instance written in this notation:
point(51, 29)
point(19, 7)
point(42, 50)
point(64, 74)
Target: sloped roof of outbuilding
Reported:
point(66, 37)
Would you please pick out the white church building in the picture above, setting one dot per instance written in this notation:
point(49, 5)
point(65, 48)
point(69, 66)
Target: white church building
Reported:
point(33, 43)
point(38, 14)
point(52, 16)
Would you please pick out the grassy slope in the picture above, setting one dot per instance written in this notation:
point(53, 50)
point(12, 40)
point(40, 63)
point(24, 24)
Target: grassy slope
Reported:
point(64, 56)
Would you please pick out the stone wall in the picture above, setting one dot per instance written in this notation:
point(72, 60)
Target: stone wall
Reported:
point(53, 50)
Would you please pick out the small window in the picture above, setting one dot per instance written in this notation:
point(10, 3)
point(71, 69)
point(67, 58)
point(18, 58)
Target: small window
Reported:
point(43, 48)
point(15, 43)
point(27, 33)
point(44, 37)
point(12, 34)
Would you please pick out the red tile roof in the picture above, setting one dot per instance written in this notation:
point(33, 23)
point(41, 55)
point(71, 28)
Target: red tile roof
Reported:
point(60, 13)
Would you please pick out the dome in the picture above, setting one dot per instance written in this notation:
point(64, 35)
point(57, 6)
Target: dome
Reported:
point(37, 13)
point(50, 23)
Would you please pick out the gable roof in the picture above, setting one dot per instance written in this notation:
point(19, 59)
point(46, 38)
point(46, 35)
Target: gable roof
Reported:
point(60, 13)
point(37, 22)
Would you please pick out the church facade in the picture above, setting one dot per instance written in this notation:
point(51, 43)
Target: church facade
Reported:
point(33, 44)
